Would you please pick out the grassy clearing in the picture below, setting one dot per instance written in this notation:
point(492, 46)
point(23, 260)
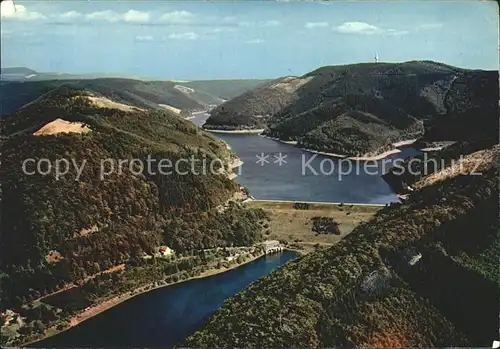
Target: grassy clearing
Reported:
point(295, 225)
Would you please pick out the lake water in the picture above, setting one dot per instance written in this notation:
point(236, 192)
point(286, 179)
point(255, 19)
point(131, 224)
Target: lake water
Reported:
point(166, 316)
point(306, 176)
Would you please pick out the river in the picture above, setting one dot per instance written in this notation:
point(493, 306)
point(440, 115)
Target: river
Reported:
point(304, 176)
point(166, 316)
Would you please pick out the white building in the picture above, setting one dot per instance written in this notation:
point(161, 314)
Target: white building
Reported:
point(166, 251)
point(272, 246)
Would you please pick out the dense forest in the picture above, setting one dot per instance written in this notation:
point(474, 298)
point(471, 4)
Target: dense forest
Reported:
point(363, 108)
point(58, 232)
point(419, 274)
point(226, 89)
point(251, 109)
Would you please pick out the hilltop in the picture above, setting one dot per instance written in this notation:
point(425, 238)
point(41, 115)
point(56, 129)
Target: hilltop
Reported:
point(69, 241)
point(360, 109)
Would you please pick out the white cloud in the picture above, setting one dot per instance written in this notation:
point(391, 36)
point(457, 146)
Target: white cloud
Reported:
point(70, 15)
point(229, 19)
point(362, 28)
point(9, 10)
point(358, 28)
point(222, 30)
point(107, 15)
point(177, 17)
point(5, 32)
point(312, 25)
point(254, 41)
point(430, 26)
point(144, 38)
point(134, 16)
point(131, 16)
point(246, 24)
point(394, 32)
point(184, 36)
point(271, 23)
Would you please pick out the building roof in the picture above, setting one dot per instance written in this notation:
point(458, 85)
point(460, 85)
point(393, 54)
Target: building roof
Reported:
point(271, 242)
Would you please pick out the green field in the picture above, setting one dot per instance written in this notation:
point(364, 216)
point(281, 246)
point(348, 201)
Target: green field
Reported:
point(295, 225)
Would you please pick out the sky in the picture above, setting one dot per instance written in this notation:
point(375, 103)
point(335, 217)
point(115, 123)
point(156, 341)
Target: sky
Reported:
point(195, 40)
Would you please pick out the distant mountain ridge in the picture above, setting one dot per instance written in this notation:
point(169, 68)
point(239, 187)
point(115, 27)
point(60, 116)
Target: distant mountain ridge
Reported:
point(142, 93)
point(364, 108)
point(204, 94)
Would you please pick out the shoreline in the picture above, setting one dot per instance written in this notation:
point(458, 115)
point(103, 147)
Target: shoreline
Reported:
point(377, 157)
point(404, 143)
point(243, 132)
point(118, 299)
point(333, 155)
point(279, 140)
point(316, 202)
point(383, 155)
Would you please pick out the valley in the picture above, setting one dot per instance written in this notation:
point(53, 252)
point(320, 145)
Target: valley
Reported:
point(249, 174)
point(72, 275)
point(73, 278)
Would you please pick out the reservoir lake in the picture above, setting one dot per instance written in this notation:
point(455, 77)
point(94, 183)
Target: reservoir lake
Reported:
point(164, 317)
point(304, 176)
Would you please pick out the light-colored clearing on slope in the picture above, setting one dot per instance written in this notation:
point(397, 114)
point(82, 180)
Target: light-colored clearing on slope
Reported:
point(62, 126)
point(86, 231)
point(403, 143)
point(292, 84)
point(169, 107)
point(184, 89)
point(236, 163)
point(103, 102)
point(472, 164)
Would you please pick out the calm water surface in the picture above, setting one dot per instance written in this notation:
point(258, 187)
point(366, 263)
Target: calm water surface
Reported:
point(165, 316)
point(325, 179)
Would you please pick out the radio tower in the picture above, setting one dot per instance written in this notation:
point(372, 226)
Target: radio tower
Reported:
point(376, 57)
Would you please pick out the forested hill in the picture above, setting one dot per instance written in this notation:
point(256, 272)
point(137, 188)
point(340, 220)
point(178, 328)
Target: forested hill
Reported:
point(226, 89)
point(20, 85)
point(420, 274)
point(60, 231)
point(364, 108)
point(147, 94)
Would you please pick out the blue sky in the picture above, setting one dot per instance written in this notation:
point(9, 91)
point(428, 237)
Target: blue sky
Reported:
point(246, 39)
